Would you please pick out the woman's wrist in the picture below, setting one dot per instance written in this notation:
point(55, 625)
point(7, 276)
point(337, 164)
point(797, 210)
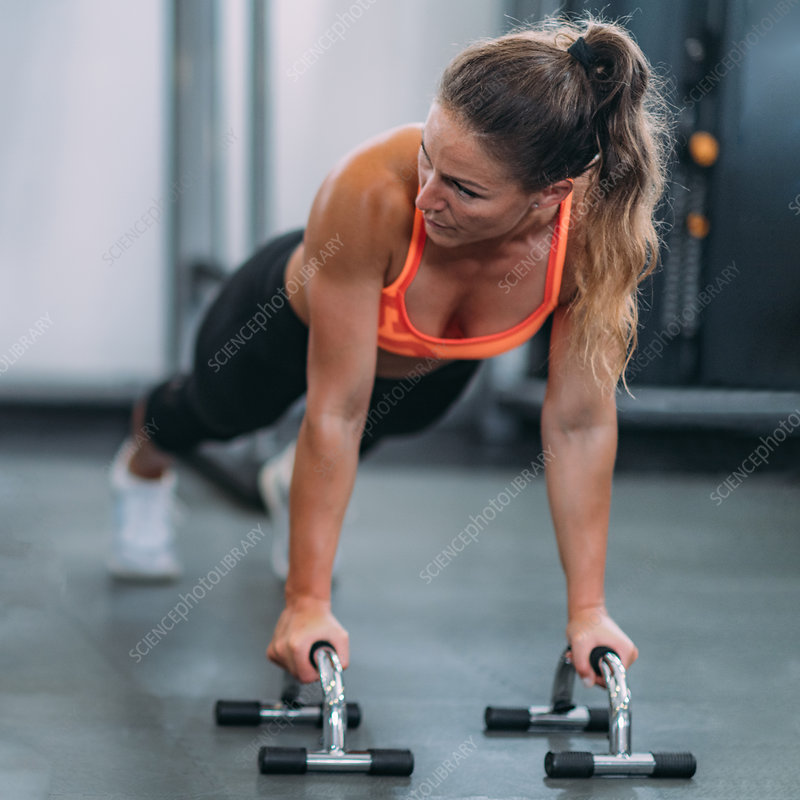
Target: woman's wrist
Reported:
point(585, 604)
point(301, 600)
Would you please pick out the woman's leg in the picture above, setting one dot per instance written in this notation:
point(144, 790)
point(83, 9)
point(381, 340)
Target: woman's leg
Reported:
point(249, 367)
point(411, 405)
point(249, 364)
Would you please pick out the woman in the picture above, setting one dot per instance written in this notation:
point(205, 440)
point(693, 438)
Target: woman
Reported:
point(528, 191)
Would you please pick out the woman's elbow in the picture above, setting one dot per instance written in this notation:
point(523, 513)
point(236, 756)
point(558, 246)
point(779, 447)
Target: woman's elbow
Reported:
point(578, 417)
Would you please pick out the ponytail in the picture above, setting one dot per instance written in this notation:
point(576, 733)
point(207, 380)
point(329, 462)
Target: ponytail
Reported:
point(632, 141)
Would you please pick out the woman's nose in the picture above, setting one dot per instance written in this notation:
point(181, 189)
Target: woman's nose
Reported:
point(430, 197)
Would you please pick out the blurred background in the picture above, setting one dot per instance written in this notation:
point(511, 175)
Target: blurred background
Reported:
point(149, 147)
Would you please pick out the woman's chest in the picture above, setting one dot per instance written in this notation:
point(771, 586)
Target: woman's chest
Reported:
point(477, 298)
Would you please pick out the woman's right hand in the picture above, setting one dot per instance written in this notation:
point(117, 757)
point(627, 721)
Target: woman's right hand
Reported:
point(303, 622)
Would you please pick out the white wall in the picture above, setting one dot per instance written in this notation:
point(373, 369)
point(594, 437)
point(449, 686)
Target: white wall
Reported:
point(345, 70)
point(82, 160)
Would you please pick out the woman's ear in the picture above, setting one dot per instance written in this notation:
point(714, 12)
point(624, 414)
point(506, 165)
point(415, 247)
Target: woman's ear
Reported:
point(552, 195)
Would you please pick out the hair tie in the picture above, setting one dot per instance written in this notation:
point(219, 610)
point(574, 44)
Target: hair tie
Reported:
point(582, 52)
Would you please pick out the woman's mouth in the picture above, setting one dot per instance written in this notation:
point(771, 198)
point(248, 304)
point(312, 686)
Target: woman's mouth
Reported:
point(436, 225)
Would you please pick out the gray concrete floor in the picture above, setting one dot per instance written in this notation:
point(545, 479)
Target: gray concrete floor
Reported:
point(709, 593)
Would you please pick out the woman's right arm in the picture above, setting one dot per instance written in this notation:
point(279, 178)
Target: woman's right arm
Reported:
point(350, 217)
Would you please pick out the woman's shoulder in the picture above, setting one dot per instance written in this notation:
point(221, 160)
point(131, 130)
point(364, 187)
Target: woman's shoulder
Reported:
point(383, 169)
point(373, 187)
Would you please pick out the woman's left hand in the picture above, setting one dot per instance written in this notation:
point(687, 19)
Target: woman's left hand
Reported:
point(592, 627)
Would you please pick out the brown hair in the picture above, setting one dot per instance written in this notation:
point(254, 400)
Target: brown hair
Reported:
point(548, 116)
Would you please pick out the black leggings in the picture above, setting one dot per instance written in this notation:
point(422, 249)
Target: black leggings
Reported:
point(250, 367)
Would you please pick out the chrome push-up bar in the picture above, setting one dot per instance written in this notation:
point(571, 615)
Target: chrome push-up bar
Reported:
point(563, 716)
point(333, 714)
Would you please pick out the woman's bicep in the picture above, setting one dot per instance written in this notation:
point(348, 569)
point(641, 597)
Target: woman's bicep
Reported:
point(343, 293)
point(342, 344)
point(356, 216)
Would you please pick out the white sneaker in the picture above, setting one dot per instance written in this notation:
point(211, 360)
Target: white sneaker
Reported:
point(274, 480)
point(143, 542)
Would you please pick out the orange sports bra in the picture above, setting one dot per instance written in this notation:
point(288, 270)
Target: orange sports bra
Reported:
point(397, 334)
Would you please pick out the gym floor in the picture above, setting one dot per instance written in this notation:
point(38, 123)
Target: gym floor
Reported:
point(92, 709)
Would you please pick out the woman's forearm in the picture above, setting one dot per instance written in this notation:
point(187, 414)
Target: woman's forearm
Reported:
point(579, 478)
point(326, 461)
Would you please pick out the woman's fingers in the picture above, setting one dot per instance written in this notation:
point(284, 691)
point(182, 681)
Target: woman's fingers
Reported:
point(296, 632)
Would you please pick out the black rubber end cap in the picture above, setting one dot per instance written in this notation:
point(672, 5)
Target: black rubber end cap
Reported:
point(391, 762)
point(569, 764)
point(282, 760)
point(353, 715)
point(595, 656)
point(507, 719)
point(237, 712)
point(598, 720)
point(674, 765)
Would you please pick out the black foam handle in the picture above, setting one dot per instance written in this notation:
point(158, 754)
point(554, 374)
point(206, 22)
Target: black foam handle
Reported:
point(598, 720)
point(282, 760)
point(237, 712)
point(506, 719)
point(316, 646)
point(596, 654)
point(391, 762)
point(569, 764)
point(674, 765)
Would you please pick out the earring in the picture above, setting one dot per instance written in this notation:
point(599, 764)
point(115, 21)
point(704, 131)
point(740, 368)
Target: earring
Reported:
point(536, 205)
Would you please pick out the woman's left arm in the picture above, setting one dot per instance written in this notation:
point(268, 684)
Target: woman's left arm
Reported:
point(579, 434)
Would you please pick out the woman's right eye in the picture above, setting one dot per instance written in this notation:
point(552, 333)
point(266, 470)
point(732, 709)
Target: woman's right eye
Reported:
point(464, 192)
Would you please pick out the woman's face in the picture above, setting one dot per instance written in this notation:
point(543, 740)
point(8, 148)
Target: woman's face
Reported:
point(466, 195)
